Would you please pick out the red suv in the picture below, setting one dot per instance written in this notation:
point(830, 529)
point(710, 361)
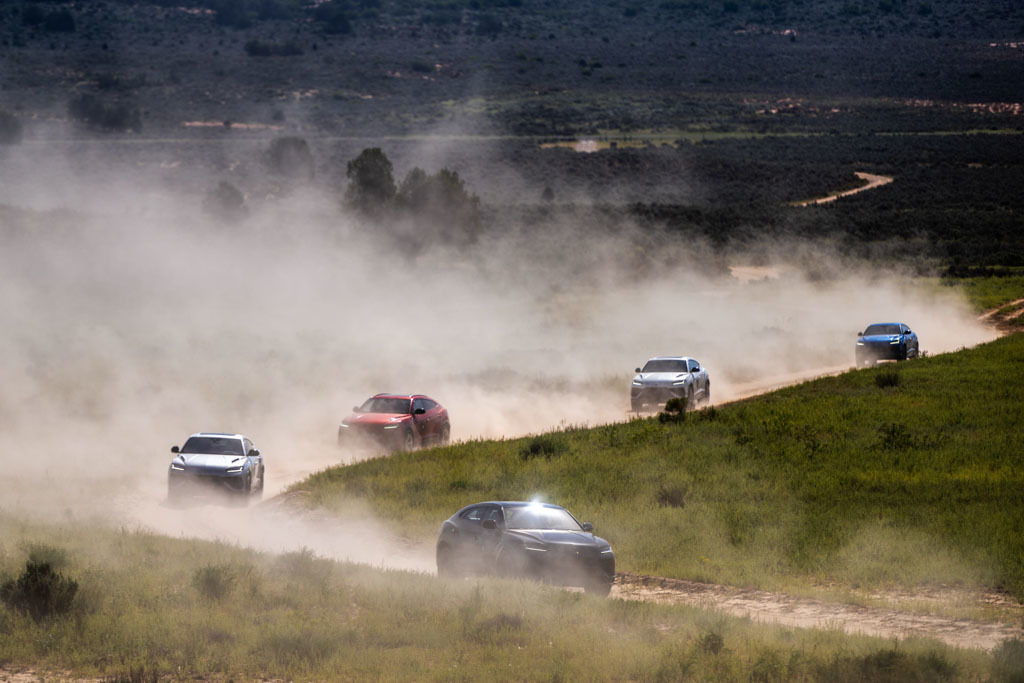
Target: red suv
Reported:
point(396, 422)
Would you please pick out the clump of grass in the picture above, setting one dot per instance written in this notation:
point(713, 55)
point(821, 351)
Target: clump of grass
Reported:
point(895, 437)
point(214, 582)
point(545, 446)
point(712, 642)
point(887, 378)
point(671, 496)
point(39, 592)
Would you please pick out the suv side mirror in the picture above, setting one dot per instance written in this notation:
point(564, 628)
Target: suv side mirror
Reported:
point(254, 453)
point(587, 526)
point(174, 449)
point(355, 409)
point(489, 524)
point(637, 370)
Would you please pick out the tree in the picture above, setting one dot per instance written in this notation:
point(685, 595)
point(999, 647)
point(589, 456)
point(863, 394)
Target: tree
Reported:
point(290, 157)
point(440, 205)
point(371, 187)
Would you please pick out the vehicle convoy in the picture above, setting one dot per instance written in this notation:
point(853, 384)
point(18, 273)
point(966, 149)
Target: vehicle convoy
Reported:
point(886, 341)
point(668, 377)
point(529, 540)
point(215, 462)
point(396, 422)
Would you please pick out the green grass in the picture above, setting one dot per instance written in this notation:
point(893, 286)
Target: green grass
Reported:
point(987, 293)
point(146, 611)
point(854, 481)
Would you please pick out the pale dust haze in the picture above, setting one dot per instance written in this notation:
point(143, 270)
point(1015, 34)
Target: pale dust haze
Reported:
point(131, 319)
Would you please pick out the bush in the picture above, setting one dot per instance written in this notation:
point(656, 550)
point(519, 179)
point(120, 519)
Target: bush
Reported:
point(225, 202)
point(117, 116)
point(39, 591)
point(545, 446)
point(290, 157)
point(441, 206)
point(371, 182)
point(887, 378)
point(10, 129)
point(264, 48)
point(675, 411)
point(214, 582)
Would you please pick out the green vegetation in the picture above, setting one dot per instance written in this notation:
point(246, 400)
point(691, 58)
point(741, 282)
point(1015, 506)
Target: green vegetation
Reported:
point(151, 607)
point(989, 288)
point(864, 479)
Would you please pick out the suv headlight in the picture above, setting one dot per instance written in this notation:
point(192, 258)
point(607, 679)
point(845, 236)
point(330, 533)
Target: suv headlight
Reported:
point(177, 468)
point(637, 383)
point(535, 547)
point(235, 470)
point(679, 383)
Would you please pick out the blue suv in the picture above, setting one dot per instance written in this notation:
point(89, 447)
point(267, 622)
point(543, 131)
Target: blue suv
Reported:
point(886, 341)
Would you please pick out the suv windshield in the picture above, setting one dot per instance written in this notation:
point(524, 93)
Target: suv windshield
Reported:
point(665, 366)
point(881, 329)
point(385, 405)
point(540, 517)
point(213, 445)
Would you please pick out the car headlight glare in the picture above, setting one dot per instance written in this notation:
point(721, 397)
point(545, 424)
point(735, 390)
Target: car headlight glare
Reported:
point(860, 343)
point(234, 470)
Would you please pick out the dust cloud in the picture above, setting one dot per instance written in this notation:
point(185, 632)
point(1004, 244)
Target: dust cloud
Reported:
point(131, 319)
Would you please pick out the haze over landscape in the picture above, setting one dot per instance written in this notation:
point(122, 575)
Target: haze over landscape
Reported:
point(239, 216)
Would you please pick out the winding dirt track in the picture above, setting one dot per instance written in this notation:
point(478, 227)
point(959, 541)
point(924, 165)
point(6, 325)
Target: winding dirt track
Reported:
point(873, 182)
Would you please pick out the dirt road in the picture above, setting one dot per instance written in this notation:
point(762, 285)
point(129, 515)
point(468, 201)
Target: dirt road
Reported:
point(787, 610)
point(873, 182)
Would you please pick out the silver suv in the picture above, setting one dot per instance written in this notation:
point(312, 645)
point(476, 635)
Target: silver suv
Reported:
point(668, 377)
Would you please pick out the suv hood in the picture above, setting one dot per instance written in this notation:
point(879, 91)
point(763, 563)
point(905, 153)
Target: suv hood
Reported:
point(558, 537)
point(207, 461)
point(376, 418)
point(660, 377)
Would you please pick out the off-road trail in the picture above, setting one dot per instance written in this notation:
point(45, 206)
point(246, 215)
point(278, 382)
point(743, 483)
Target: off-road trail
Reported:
point(873, 182)
point(886, 622)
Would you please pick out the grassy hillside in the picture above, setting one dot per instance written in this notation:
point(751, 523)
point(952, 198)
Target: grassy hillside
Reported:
point(901, 476)
point(152, 608)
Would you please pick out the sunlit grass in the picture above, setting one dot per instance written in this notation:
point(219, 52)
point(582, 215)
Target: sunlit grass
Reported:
point(142, 614)
point(853, 479)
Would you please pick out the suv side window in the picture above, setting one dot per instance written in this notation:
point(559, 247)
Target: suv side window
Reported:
point(474, 514)
point(417, 404)
point(246, 446)
point(694, 365)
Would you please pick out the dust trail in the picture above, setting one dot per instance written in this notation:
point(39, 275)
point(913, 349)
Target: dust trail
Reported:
point(132, 319)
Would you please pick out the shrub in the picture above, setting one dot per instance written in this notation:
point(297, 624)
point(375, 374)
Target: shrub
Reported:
point(887, 378)
point(117, 116)
point(675, 411)
point(895, 437)
point(674, 496)
point(290, 157)
point(441, 206)
point(371, 182)
point(10, 129)
point(39, 591)
point(545, 446)
point(225, 202)
point(265, 48)
point(214, 582)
